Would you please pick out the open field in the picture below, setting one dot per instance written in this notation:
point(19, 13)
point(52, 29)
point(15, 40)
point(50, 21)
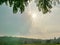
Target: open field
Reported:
point(41, 44)
point(30, 44)
point(27, 41)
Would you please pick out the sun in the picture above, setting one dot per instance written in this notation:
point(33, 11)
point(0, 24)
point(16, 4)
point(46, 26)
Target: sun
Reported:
point(34, 15)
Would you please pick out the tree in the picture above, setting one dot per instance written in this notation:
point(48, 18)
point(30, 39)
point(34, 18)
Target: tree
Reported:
point(17, 4)
point(43, 5)
point(48, 41)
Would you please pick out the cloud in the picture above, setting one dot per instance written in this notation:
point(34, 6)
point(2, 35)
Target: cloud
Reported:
point(45, 26)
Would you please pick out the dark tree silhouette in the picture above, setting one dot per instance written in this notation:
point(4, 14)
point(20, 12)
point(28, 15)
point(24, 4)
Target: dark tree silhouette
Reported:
point(43, 5)
point(48, 41)
point(17, 4)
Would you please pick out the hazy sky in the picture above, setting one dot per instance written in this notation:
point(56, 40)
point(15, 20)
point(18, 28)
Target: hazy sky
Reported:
point(31, 23)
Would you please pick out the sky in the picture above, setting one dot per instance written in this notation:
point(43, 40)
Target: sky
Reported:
point(31, 23)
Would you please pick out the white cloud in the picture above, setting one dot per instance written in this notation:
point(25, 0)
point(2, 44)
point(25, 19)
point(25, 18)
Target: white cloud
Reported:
point(45, 26)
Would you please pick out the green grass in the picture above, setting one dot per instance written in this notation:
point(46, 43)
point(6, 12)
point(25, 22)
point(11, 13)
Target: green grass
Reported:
point(41, 44)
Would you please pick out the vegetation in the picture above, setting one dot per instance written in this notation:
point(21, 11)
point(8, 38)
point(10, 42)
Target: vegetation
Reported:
point(41, 44)
point(16, 4)
point(26, 41)
point(43, 5)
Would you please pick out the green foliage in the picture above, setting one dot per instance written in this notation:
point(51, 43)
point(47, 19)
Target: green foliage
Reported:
point(16, 4)
point(43, 5)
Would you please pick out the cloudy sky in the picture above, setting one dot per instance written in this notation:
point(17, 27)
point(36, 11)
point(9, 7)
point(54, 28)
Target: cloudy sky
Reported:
point(31, 23)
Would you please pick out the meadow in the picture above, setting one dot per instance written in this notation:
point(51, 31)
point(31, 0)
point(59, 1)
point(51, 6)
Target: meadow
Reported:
point(41, 44)
point(27, 41)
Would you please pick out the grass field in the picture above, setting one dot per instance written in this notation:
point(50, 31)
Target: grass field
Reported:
point(41, 44)
point(27, 41)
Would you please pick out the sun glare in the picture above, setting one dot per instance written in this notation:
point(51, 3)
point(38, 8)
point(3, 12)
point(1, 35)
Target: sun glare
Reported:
point(34, 16)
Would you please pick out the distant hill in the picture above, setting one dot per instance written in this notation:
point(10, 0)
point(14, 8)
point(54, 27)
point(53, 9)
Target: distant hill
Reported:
point(18, 40)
